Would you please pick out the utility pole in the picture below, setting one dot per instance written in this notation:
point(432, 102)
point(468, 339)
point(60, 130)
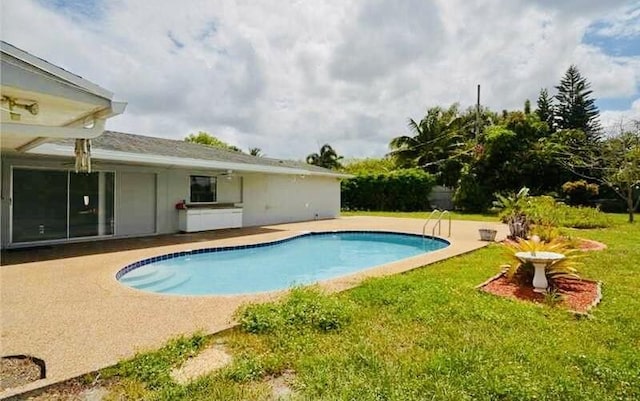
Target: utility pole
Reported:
point(478, 115)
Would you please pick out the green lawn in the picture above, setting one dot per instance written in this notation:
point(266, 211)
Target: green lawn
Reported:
point(429, 335)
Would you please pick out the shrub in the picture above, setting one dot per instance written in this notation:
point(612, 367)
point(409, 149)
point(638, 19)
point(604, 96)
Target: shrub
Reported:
point(544, 210)
point(579, 192)
point(403, 190)
point(302, 309)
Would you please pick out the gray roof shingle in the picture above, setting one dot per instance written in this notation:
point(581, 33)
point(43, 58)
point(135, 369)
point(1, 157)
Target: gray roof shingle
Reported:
point(131, 143)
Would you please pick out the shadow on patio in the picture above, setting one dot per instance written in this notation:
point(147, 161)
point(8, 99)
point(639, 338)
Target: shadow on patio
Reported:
point(40, 253)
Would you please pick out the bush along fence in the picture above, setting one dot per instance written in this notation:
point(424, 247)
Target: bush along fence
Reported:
point(400, 190)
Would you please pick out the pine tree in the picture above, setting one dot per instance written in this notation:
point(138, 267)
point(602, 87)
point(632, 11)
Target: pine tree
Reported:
point(576, 109)
point(545, 108)
point(527, 106)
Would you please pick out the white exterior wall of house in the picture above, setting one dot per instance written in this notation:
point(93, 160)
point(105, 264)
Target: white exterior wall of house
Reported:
point(145, 196)
point(271, 198)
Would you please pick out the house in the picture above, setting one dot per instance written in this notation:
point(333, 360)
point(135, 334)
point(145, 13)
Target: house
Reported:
point(135, 185)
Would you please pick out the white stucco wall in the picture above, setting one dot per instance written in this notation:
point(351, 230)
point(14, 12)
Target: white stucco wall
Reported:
point(270, 199)
point(266, 198)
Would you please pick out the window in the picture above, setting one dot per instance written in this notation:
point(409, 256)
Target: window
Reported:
point(203, 189)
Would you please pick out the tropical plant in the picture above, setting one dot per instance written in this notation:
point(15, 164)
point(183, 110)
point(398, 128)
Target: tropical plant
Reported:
point(512, 212)
point(327, 158)
point(435, 139)
point(562, 268)
point(255, 152)
point(511, 204)
point(205, 138)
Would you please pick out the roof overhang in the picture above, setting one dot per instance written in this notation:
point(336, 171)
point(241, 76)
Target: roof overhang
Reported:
point(42, 101)
point(54, 71)
point(52, 149)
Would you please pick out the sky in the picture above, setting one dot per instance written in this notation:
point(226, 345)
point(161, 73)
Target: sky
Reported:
point(288, 76)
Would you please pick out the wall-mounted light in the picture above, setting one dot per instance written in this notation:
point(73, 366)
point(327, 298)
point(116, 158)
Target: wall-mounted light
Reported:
point(13, 103)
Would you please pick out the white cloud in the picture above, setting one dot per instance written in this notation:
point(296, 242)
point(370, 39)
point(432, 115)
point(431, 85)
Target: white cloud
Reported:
point(610, 76)
point(289, 76)
point(612, 120)
point(623, 24)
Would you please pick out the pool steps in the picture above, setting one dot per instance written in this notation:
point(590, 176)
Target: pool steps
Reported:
point(169, 284)
point(154, 280)
point(137, 275)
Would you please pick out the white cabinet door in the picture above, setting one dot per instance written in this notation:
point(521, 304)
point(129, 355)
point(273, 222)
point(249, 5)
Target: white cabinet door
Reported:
point(209, 219)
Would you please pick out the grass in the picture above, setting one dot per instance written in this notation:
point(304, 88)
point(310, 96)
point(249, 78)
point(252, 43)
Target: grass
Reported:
point(426, 335)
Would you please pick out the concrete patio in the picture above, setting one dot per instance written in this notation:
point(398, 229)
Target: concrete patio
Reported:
point(63, 304)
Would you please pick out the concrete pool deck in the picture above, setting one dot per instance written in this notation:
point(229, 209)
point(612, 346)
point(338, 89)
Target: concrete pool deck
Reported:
point(63, 304)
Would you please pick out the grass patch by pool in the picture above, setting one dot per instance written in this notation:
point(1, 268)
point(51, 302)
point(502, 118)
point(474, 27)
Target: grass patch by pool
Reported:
point(428, 334)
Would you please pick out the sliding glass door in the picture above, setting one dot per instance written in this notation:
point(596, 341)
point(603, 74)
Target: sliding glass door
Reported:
point(39, 205)
point(51, 205)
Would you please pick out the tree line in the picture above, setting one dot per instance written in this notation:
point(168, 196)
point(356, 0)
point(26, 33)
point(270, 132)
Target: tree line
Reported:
point(480, 153)
point(560, 144)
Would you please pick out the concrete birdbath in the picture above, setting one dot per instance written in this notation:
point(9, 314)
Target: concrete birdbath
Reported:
point(540, 261)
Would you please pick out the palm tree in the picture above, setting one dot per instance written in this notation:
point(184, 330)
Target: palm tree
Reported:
point(434, 139)
point(327, 158)
point(255, 152)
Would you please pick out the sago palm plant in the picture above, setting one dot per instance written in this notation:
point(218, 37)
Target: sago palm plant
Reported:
point(563, 268)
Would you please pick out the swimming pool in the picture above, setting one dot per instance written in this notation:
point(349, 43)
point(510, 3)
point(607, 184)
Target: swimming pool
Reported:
point(277, 265)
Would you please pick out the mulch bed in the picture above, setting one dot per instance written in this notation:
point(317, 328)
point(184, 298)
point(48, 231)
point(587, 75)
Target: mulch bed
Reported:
point(576, 295)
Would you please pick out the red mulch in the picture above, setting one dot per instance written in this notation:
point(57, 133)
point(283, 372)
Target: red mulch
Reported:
point(577, 295)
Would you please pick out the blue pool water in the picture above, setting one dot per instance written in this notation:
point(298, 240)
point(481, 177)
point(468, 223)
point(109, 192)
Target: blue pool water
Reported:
point(273, 266)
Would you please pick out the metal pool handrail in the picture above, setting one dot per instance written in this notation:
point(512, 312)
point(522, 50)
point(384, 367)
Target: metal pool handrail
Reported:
point(439, 224)
point(424, 227)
